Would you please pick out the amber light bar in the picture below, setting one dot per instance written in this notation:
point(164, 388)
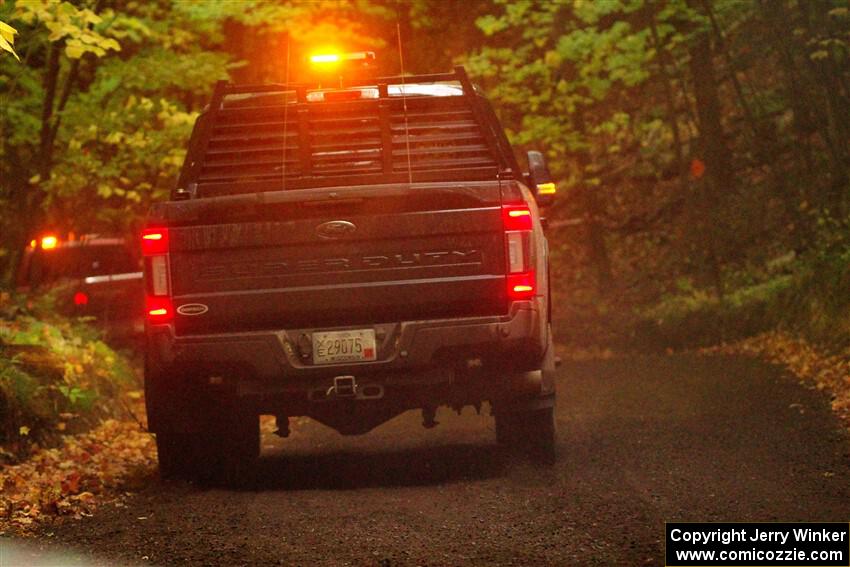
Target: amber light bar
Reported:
point(325, 58)
point(333, 63)
point(49, 242)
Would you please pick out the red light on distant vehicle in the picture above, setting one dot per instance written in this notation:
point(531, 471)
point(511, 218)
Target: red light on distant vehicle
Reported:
point(81, 299)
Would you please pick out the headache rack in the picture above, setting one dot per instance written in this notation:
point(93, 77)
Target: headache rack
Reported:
point(254, 138)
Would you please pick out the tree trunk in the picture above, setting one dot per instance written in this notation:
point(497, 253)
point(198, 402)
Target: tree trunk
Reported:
point(50, 80)
point(720, 46)
point(718, 159)
point(670, 102)
point(720, 178)
point(803, 121)
point(598, 251)
point(31, 197)
point(836, 129)
point(235, 34)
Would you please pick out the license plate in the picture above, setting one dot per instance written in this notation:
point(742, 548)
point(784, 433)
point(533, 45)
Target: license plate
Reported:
point(344, 346)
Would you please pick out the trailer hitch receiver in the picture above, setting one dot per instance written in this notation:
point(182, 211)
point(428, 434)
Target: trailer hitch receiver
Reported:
point(344, 387)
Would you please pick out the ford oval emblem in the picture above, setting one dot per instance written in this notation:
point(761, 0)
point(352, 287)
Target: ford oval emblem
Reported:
point(192, 309)
point(335, 229)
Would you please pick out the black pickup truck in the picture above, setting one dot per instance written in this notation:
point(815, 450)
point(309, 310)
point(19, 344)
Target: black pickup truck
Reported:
point(346, 254)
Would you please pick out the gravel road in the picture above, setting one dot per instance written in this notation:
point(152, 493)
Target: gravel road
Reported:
point(641, 440)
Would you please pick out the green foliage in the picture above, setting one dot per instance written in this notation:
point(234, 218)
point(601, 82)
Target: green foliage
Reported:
point(820, 306)
point(809, 299)
point(79, 29)
point(54, 374)
point(558, 72)
point(699, 318)
point(609, 90)
point(119, 134)
point(120, 165)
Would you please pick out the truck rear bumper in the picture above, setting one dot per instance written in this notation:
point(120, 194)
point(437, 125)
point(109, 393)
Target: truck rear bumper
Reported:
point(504, 360)
point(432, 350)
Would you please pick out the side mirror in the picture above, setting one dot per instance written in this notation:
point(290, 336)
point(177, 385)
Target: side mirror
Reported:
point(541, 179)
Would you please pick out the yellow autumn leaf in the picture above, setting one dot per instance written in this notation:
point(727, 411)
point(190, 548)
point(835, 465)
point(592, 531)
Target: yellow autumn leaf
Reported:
point(74, 51)
point(5, 45)
point(24, 430)
point(7, 32)
point(7, 38)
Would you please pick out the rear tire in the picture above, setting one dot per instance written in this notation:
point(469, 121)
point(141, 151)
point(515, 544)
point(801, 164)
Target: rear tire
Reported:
point(230, 451)
point(201, 435)
point(530, 432)
point(223, 453)
point(175, 454)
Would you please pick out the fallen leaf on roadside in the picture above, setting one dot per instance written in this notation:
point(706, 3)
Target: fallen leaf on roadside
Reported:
point(71, 480)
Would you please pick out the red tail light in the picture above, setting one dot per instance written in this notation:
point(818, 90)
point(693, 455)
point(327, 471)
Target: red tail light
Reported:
point(516, 217)
point(159, 309)
point(154, 241)
point(521, 286)
point(155, 247)
point(517, 221)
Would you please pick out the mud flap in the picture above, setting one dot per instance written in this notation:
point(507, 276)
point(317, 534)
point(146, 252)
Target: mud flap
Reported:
point(534, 390)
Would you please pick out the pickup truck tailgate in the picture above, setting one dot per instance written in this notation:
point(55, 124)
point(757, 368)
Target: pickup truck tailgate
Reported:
point(355, 257)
